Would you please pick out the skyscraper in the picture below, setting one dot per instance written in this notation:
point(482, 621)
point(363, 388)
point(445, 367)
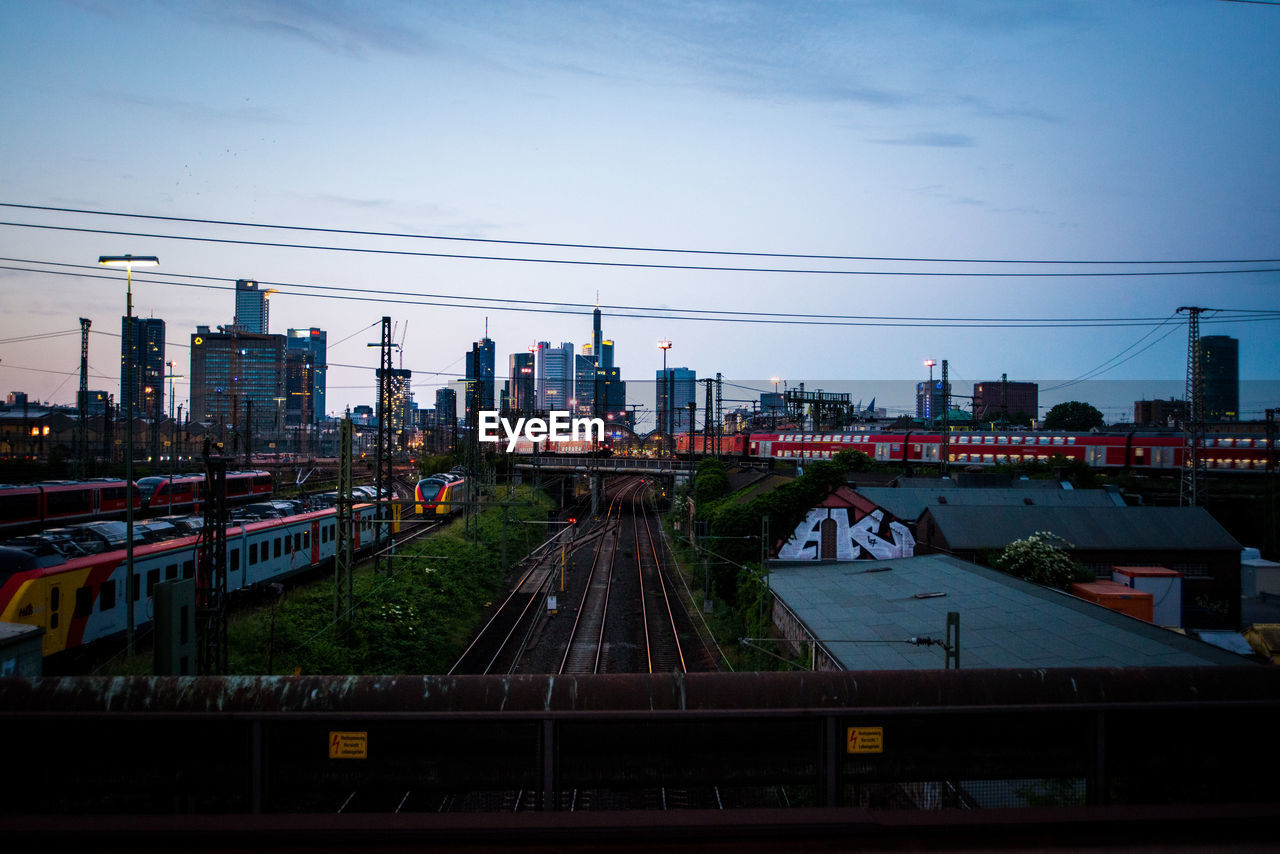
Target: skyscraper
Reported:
point(237, 381)
point(307, 348)
point(446, 418)
point(521, 383)
point(146, 340)
point(1220, 366)
point(681, 386)
point(251, 307)
point(931, 402)
point(479, 390)
point(399, 393)
point(555, 375)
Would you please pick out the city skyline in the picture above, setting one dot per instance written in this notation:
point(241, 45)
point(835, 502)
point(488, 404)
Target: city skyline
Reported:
point(918, 130)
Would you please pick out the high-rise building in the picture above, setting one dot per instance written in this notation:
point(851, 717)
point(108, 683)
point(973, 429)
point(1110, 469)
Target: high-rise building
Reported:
point(306, 391)
point(1220, 366)
point(555, 375)
point(995, 399)
point(143, 348)
point(237, 382)
point(400, 395)
point(479, 388)
point(680, 387)
point(95, 401)
point(521, 385)
point(251, 307)
point(446, 418)
point(930, 403)
point(584, 384)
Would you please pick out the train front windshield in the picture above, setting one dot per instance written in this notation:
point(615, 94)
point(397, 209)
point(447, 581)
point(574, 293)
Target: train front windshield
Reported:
point(429, 488)
point(148, 486)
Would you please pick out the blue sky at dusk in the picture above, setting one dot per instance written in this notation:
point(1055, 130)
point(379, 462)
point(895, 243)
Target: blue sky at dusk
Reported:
point(1089, 131)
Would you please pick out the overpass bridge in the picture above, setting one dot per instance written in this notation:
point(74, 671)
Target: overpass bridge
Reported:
point(656, 466)
point(1114, 758)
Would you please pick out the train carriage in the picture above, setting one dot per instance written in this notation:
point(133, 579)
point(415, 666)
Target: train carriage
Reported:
point(83, 600)
point(442, 494)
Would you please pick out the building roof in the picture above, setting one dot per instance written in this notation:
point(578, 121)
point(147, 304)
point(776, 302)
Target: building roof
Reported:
point(909, 503)
point(1087, 528)
point(862, 612)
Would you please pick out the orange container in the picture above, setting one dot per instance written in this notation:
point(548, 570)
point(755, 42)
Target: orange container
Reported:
point(1116, 597)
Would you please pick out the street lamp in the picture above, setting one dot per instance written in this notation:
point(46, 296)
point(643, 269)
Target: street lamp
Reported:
point(664, 345)
point(126, 392)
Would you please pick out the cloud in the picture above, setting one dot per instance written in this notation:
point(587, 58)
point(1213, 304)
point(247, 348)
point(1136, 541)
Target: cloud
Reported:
point(344, 28)
point(930, 139)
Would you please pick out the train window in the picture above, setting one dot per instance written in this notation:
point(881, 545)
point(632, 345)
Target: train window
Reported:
point(277, 554)
point(297, 541)
point(253, 553)
point(107, 595)
point(1003, 440)
point(171, 572)
point(136, 587)
point(235, 559)
point(1071, 440)
point(188, 568)
point(84, 602)
point(288, 544)
point(14, 507)
point(68, 502)
point(153, 578)
point(306, 539)
point(1017, 440)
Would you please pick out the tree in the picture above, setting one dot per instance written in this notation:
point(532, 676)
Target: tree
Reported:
point(1072, 415)
point(1041, 558)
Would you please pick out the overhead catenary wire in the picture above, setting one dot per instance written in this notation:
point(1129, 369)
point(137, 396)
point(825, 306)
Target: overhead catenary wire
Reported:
point(623, 247)
point(583, 262)
point(645, 312)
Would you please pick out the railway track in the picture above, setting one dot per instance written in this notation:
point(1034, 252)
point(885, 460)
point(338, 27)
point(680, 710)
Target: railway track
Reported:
point(663, 652)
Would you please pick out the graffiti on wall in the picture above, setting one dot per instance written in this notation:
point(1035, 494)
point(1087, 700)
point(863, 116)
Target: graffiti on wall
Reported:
point(830, 533)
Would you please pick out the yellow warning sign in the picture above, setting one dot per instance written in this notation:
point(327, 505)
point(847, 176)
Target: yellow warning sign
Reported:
point(348, 745)
point(865, 739)
point(396, 510)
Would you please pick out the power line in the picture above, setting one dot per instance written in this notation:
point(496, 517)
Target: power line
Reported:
point(579, 262)
point(617, 247)
point(645, 312)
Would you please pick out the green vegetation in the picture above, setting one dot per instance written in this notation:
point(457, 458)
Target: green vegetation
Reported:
point(1041, 558)
point(1072, 415)
point(417, 620)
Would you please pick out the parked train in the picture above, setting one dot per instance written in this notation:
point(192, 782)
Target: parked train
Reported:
point(183, 494)
point(82, 600)
point(1142, 451)
point(58, 502)
point(442, 494)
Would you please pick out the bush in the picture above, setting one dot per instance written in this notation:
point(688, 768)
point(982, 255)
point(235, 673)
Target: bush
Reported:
point(1041, 558)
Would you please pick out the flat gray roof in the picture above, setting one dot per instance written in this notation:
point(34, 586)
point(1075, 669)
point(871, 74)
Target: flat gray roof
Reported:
point(908, 503)
point(863, 611)
point(1133, 528)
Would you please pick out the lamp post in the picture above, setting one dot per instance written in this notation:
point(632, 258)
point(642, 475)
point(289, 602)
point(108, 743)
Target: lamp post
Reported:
point(126, 391)
point(664, 345)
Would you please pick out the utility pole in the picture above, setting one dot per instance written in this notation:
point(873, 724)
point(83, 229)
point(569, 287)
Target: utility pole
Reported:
point(82, 428)
point(1193, 427)
point(248, 432)
point(382, 480)
point(719, 421)
point(943, 449)
point(343, 562)
point(211, 568)
point(706, 423)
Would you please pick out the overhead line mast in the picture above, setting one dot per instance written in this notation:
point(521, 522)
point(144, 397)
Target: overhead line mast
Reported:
point(1193, 426)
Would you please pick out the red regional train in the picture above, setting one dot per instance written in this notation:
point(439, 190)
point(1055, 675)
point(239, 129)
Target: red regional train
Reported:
point(1134, 449)
point(42, 505)
point(82, 600)
point(182, 494)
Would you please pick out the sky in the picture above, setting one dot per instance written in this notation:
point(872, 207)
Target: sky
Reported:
point(991, 130)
